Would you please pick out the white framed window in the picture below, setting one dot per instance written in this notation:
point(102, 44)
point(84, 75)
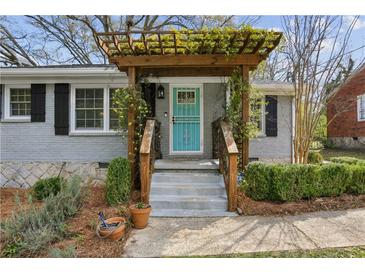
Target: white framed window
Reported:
point(92, 110)
point(17, 103)
point(361, 108)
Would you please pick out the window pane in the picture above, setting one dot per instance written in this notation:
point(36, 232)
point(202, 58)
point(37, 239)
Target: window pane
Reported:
point(89, 108)
point(80, 103)
point(99, 103)
point(89, 103)
point(362, 107)
point(20, 102)
point(186, 96)
point(89, 114)
point(80, 123)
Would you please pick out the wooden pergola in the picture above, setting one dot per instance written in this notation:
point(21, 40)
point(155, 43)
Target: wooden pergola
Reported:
point(187, 53)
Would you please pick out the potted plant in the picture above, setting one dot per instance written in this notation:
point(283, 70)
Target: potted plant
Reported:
point(140, 213)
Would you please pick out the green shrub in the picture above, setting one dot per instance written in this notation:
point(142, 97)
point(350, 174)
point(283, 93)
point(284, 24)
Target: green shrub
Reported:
point(292, 182)
point(258, 181)
point(334, 179)
point(347, 160)
point(118, 183)
point(29, 231)
point(45, 187)
point(357, 184)
point(285, 183)
point(315, 157)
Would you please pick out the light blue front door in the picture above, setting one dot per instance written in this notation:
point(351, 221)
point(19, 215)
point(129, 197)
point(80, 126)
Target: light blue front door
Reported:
point(186, 119)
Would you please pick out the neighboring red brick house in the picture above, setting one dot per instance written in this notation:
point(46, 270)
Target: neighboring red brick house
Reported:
point(347, 112)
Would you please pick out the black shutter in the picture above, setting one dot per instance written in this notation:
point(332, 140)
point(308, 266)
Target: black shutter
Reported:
point(1, 100)
point(271, 119)
point(61, 101)
point(38, 103)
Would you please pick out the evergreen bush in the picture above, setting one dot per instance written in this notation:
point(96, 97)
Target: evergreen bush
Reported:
point(118, 182)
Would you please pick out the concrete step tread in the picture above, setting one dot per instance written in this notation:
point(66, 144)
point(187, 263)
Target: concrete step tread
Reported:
point(188, 174)
point(191, 213)
point(157, 185)
point(208, 164)
point(187, 198)
point(190, 179)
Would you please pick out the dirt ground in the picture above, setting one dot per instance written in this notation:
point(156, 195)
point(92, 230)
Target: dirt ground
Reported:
point(248, 206)
point(82, 226)
point(8, 200)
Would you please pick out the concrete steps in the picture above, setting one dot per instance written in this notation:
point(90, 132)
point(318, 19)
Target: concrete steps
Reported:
point(188, 189)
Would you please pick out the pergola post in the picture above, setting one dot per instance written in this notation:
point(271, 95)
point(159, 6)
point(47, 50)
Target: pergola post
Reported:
point(245, 119)
point(131, 127)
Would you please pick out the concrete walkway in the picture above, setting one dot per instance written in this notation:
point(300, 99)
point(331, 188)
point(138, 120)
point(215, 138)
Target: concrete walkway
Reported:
point(227, 235)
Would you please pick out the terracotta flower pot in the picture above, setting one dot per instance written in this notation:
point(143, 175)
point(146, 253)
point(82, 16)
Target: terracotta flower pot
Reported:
point(140, 216)
point(112, 233)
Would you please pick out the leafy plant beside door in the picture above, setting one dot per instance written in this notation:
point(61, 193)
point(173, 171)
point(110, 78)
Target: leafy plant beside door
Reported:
point(123, 100)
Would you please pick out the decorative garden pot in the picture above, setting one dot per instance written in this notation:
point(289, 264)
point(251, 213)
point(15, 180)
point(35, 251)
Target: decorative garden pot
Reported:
point(113, 233)
point(140, 216)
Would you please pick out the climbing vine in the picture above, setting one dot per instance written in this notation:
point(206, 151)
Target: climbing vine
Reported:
point(123, 100)
point(238, 86)
point(227, 40)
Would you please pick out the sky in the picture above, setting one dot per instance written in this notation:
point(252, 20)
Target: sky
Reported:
point(357, 39)
point(273, 22)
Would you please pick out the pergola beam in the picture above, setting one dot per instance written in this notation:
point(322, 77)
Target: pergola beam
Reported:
point(213, 60)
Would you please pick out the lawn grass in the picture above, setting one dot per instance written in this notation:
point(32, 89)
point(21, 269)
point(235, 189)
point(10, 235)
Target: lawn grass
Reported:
point(344, 252)
point(328, 153)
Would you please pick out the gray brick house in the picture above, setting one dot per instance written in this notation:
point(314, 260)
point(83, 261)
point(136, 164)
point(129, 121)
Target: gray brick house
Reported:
point(57, 120)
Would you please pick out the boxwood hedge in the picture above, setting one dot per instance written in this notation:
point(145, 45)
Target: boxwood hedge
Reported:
point(118, 182)
point(292, 182)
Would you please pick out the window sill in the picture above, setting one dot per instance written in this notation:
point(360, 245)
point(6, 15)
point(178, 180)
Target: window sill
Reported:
point(15, 120)
point(96, 133)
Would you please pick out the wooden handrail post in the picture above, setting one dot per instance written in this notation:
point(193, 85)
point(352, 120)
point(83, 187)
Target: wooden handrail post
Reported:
point(228, 154)
point(146, 154)
point(232, 184)
point(145, 171)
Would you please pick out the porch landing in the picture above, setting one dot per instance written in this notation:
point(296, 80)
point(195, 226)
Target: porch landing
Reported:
point(187, 188)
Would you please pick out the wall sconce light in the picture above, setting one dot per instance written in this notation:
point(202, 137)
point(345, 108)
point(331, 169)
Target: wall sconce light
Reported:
point(160, 92)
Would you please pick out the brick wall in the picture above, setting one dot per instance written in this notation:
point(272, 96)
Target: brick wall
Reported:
point(345, 101)
point(38, 142)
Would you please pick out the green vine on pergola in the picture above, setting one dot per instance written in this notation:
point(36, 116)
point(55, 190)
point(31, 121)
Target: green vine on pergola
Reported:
point(227, 40)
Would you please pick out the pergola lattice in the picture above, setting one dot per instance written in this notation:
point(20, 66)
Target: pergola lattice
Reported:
point(214, 52)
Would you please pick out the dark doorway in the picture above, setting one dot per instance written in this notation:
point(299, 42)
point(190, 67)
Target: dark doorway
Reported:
point(149, 95)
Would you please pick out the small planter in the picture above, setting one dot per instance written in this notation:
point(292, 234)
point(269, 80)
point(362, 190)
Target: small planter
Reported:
point(140, 214)
point(113, 233)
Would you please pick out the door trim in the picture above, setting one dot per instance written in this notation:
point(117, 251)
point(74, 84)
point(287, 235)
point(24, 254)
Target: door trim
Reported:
point(171, 88)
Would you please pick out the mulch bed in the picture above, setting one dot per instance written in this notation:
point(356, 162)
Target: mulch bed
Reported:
point(247, 206)
point(8, 201)
point(82, 226)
